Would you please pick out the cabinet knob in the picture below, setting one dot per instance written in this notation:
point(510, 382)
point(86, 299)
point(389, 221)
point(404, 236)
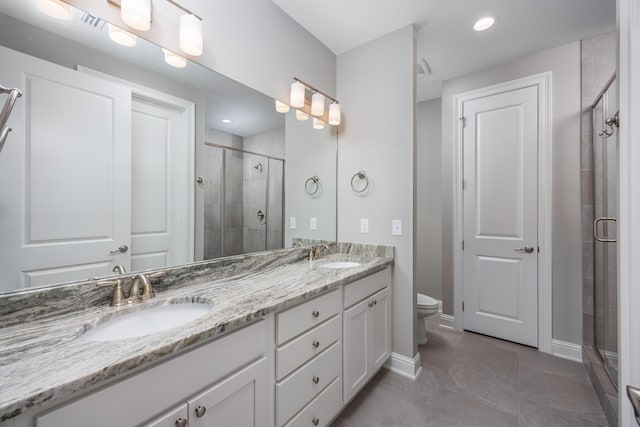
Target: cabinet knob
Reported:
point(316, 344)
point(181, 422)
point(370, 304)
point(315, 421)
point(315, 313)
point(200, 410)
point(375, 302)
point(315, 380)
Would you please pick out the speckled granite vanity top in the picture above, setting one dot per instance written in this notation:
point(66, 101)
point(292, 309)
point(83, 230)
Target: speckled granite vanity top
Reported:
point(43, 355)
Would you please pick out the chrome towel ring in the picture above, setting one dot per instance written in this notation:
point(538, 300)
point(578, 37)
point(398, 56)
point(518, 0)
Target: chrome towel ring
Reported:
point(362, 176)
point(312, 189)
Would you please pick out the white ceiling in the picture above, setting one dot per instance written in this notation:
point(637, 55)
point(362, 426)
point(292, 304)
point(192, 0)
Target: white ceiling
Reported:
point(445, 36)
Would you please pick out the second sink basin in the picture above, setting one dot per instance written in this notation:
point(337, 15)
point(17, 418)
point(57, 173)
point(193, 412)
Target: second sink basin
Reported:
point(147, 321)
point(339, 265)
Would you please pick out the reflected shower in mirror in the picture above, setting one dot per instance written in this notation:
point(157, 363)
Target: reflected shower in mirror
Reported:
point(118, 158)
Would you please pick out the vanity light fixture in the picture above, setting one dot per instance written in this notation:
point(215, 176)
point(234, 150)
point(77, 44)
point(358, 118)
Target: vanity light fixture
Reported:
point(318, 124)
point(317, 104)
point(191, 35)
point(55, 9)
point(485, 23)
point(281, 107)
point(298, 99)
point(136, 14)
point(301, 115)
point(121, 36)
point(173, 59)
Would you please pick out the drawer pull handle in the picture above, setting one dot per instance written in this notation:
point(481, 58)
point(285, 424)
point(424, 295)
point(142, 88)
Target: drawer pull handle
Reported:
point(200, 410)
point(315, 313)
point(315, 380)
point(315, 421)
point(316, 344)
point(181, 422)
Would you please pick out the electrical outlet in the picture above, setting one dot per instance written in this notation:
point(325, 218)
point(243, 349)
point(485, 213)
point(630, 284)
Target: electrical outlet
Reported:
point(364, 225)
point(313, 223)
point(396, 227)
point(292, 222)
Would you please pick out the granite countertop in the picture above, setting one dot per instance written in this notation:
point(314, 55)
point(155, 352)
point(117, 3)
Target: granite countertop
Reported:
point(46, 358)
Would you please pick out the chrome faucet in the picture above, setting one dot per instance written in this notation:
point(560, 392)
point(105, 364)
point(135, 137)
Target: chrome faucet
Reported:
point(134, 289)
point(315, 254)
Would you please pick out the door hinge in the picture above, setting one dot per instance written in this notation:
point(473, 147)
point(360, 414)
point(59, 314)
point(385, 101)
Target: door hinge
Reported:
point(463, 120)
point(462, 305)
point(463, 245)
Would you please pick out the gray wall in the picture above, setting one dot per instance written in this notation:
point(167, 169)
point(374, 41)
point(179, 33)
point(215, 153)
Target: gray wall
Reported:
point(564, 63)
point(428, 257)
point(376, 88)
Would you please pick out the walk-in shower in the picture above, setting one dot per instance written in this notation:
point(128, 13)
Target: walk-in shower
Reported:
point(605, 231)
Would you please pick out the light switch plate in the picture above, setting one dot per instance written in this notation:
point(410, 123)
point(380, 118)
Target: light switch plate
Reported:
point(364, 225)
point(396, 227)
point(292, 222)
point(313, 223)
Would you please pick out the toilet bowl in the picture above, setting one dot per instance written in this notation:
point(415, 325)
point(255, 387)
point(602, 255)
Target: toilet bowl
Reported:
point(426, 306)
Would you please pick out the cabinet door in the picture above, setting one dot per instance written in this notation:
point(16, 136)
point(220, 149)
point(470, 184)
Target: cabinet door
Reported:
point(175, 417)
point(356, 353)
point(240, 400)
point(379, 329)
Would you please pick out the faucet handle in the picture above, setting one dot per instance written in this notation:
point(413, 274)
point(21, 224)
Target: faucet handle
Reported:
point(147, 290)
point(118, 294)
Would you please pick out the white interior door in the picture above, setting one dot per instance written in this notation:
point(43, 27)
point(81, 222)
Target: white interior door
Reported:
point(500, 146)
point(64, 175)
point(160, 206)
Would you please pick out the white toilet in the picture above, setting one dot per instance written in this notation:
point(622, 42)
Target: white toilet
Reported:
point(427, 306)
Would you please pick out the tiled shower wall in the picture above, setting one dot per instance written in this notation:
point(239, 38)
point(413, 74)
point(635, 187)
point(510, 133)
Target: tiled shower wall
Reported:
point(598, 64)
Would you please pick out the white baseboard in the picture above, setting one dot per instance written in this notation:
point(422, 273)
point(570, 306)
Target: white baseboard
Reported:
point(566, 350)
point(446, 320)
point(404, 366)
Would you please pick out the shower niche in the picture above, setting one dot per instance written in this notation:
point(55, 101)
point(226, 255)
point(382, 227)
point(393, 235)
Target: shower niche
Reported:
point(243, 202)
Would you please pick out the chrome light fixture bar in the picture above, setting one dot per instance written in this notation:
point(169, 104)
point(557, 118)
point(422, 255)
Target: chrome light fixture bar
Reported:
point(298, 89)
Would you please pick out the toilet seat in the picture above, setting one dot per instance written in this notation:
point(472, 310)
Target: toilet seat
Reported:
point(425, 301)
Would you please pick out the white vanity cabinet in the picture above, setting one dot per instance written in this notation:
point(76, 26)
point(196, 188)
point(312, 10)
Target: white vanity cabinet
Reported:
point(228, 376)
point(308, 362)
point(367, 330)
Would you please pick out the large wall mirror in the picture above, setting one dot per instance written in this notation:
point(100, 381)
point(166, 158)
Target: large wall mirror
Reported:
point(117, 157)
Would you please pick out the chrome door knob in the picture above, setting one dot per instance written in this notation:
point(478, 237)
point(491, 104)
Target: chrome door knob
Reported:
point(528, 249)
point(200, 410)
point(181, 422)
point(316, 344)
point(315, 380)
point(315, 421)
point(315, 313)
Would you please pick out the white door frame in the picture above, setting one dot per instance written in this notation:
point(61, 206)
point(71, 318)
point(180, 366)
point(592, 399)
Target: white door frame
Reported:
point(629, 216)
point(187, 110)
point(543, 83)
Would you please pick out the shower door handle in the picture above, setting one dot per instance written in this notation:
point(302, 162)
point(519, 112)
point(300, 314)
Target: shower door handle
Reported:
point(595, 229)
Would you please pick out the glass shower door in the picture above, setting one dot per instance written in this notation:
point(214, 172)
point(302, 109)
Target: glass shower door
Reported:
point(605, 232)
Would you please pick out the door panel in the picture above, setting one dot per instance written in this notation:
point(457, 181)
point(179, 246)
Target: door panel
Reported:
point(72, 142)
point(500, 143)
point(356, 355)
point(380, 328)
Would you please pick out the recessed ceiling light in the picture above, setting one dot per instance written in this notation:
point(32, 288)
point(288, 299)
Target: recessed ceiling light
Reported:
point(226, 121)
point(484, 23)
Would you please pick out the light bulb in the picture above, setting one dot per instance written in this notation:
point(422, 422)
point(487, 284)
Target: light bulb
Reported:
point(281, 107)
point(318, 124)
point(121, 36)
point(334, 114)
point(317, 104)
point(297, 95)
point(173, 59)
point(55, 9)
point(191, 35)
point(136, 14)
point(301, 115)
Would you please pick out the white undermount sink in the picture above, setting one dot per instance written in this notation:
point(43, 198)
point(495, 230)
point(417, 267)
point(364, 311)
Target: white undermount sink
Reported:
point(147, 321)
point(337, 265)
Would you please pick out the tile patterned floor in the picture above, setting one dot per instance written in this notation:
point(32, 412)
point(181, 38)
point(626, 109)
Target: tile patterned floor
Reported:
point(473, 380)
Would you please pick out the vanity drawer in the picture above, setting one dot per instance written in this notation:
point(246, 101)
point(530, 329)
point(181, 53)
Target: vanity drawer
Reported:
point(297, 390)
point(296, 352)
point(360, 289)
point(296, 320)
point(323, 408)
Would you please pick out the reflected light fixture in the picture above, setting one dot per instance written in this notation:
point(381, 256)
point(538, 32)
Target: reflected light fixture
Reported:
point(297, 95)
point(55, 9)
point(227, 121)
point(281, 107)
point(318, 124)
point(191, 34)
point(317, 104)
point(121, 36)
point(334, 114)
point(301, 115)
point(173, 59)
point(484, 23)
point(136, 14)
